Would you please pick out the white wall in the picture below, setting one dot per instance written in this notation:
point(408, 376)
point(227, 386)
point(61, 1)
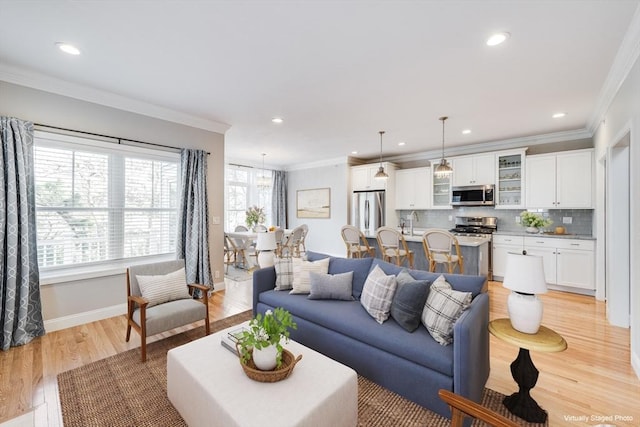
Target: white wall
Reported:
point(624, 114)
point(324, 234)
point(76, 301)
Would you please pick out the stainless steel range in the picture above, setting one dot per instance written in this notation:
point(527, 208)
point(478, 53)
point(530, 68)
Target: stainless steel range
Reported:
point(483, 226)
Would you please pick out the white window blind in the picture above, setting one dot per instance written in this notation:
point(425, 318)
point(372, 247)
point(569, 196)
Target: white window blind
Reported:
point(99, 201)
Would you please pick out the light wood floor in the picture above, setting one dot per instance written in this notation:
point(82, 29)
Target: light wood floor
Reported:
point(591, 379)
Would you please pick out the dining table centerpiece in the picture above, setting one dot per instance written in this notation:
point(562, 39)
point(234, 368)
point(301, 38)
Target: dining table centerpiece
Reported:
point(262, 340)
point(255, 216)
point(534, 221)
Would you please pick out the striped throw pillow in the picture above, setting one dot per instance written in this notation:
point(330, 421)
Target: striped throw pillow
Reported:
point(377, 294)
point(301, 269)
point(161, 289)
point(444, 306)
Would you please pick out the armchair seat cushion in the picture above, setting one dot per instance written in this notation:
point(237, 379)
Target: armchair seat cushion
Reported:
point(171, 315)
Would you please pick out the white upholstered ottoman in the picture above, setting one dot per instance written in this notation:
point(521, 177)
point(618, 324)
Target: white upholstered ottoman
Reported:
point(208, 387)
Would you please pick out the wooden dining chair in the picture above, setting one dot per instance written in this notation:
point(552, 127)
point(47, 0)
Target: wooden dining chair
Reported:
point(437, 244)
point(356, 242)
point(392, 245)
point(291, 247)
point(280, 241)
point(462, 408)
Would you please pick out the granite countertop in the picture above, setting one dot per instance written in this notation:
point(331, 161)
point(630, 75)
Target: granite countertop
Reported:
point(550, 234)
point(471, 241)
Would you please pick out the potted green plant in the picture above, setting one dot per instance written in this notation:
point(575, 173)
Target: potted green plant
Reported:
point(262, 341)
point(533, 221)
point(255, 216)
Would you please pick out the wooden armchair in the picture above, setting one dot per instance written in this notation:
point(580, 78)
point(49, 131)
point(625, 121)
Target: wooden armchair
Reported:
point(166, 304)
point(462, 407)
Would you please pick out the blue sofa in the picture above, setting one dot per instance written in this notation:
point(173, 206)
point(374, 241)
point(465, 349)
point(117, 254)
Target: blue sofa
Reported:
point(413, 364)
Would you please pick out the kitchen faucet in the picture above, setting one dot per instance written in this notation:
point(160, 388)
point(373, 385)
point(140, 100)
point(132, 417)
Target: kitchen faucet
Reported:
point(411, 216)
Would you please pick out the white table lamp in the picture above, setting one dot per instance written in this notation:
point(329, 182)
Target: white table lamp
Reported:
point(524, 275)
point(265, 246)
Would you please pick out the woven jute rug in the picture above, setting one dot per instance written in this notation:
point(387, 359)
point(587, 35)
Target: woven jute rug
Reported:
point(120, 391)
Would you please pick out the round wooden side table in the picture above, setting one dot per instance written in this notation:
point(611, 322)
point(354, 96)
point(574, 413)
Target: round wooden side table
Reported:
point(523, 370)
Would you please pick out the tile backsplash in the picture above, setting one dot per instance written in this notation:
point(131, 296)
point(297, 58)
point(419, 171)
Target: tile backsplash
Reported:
point(582, 219)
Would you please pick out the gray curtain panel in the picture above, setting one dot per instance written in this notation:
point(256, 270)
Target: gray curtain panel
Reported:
point(193, 218)
point(279, 198)
point(21, 310)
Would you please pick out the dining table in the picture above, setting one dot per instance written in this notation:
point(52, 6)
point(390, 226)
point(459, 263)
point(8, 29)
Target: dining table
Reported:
point(246, 239)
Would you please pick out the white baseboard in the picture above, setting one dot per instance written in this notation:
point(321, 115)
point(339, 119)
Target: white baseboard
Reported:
point(85, 317)
point(635, 363)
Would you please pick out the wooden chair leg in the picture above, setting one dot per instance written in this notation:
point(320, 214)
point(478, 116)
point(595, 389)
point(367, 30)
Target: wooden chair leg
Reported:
point(461, 265)
point(128, 331)
point(143, 347)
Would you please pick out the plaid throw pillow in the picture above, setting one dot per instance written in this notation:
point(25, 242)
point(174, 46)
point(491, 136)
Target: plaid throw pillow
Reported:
point(443, 307)
point(284, 273)
point(377, 294)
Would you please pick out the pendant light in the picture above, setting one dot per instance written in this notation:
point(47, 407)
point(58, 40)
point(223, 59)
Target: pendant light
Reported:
point(443, 169)
point(381, 174)
point(263, 181)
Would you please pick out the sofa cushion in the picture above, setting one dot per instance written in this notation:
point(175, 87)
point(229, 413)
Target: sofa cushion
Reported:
point(408, 301)
point(284, 273)
point(331, 286)
point(351, 319)
point(377, 294)
point(444, 306)
point(164, 288)
point(301, 269)
point(359, 266)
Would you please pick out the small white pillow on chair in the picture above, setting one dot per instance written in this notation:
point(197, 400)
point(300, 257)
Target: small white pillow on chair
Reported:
point(161, 289)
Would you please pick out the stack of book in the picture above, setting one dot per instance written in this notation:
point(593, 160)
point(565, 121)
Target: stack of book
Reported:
point(230, 339)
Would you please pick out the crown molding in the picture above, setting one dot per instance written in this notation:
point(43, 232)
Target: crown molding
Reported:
point(624, 61)
point(61, 87)
point(319, 164)
point(505, 144)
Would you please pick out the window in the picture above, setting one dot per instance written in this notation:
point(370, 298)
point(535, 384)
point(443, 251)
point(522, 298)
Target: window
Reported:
point(242, 191)
point(99, 201)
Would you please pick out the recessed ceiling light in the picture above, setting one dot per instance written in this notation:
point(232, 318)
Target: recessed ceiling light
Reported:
point(354, 152)
point(497, 38)
point(466, 131)
point(401, 143)
point(559, 115)
point(67, 48)
point(277, 120)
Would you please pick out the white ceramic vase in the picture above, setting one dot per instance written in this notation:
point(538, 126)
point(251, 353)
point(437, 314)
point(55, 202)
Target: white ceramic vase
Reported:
point(532, 230)
point(265, 358)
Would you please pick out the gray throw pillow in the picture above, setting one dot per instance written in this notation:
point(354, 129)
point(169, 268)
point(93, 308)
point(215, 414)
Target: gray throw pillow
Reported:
point(408, 301)
point(331, 286)
point(284, 273)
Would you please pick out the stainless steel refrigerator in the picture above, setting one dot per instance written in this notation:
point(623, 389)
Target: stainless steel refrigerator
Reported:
point(368, 210)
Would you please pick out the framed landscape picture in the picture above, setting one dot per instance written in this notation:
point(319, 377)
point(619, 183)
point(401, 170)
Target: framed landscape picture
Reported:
point(314, 203)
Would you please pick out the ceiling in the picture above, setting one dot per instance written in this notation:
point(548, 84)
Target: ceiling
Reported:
point(337, 72)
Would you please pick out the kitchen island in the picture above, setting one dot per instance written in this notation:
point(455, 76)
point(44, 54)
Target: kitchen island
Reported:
point(475, 251)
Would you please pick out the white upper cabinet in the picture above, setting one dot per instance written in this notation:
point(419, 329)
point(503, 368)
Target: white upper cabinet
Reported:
point(478, 169)
point(362, 177)
point(560, 180)
point(413, 189)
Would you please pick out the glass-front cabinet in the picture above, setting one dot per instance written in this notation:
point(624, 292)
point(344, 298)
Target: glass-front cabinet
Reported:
point(510, 179)
point(441, 196)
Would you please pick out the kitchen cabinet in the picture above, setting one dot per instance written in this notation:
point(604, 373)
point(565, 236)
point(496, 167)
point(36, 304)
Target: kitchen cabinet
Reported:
point(567, 262)
point(510, 180)
point(479, 169)
point(413, 188)
point(440, 189)
point(560, 181)
point(502, 245)
point(362, 177)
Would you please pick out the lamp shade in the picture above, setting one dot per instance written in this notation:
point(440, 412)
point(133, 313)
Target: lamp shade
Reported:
point(525, 274)
point(266, 241)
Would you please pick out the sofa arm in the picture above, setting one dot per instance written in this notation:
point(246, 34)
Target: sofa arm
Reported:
point(471, 349)
point(264, 279)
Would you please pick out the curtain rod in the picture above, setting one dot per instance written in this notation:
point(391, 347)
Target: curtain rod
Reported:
point(108, 136)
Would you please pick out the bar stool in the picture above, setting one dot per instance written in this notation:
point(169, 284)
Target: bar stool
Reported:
point(437, 244)
point(356, 242)
point(393, 245)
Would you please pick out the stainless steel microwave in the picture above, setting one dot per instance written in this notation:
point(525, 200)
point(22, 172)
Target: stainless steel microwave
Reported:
point(473, 195)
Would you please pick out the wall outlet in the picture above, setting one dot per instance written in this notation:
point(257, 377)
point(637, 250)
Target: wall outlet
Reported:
point(215, 220)
point(216, 274)
point(567, 219)
point(450, 218)
point(518, 220)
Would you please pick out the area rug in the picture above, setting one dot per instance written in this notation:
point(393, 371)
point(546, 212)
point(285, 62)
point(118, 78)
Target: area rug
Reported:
point(120, 391)
point(237, 274)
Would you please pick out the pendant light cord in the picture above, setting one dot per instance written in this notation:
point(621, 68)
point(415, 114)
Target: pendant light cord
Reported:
point(381, 133)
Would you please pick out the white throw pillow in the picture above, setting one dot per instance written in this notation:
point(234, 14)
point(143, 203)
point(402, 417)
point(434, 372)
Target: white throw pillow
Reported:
point(161, 289)
point(377, 294)
point(301, 281)
point(444, 306)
